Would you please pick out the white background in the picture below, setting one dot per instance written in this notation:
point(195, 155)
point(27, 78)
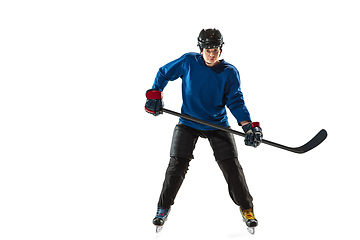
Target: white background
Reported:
point(80, 159)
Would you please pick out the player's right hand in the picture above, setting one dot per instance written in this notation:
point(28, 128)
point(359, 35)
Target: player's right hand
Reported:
point(154, 102)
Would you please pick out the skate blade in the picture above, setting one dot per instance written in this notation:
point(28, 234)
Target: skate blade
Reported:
point(158, 228)
point(251, 230)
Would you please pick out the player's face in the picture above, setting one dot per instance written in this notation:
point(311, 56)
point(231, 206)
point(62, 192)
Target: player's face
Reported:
point(211, 56)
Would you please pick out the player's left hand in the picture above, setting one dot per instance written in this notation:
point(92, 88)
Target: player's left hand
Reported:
point(253, 133)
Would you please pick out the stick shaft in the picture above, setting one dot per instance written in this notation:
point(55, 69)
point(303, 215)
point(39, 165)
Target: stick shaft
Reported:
point(187, 117)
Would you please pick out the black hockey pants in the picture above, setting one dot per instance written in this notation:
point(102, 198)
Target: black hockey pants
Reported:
point(223, 145)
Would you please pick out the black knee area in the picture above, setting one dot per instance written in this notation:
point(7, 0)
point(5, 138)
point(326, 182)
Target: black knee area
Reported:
point(178, 166)
point(230, 165)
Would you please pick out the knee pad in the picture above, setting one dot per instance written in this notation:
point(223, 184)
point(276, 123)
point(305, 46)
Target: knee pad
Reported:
point(178, 166)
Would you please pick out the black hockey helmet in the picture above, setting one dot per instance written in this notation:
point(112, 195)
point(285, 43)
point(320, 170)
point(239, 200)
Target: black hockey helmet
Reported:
point(210, 38)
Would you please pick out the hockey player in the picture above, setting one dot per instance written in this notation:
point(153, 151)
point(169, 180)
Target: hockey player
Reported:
point(208, 85)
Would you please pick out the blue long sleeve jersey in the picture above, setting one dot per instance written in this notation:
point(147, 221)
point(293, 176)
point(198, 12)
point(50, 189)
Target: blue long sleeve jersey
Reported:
point(205, 90)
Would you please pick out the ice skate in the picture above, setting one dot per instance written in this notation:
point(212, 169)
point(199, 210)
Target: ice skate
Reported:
point(249, 218)
point(161, 217)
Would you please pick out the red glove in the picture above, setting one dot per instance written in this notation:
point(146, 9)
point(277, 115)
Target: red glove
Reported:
point(154, 102)
point(253, 133)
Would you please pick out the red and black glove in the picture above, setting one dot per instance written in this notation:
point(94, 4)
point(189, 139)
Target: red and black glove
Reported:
point(154, 102)
point(253, 133)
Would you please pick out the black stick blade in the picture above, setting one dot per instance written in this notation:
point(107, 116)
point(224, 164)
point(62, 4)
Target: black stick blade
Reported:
point(319, 138)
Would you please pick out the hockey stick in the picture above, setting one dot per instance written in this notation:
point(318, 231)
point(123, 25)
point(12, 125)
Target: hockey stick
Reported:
point(314, 142)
